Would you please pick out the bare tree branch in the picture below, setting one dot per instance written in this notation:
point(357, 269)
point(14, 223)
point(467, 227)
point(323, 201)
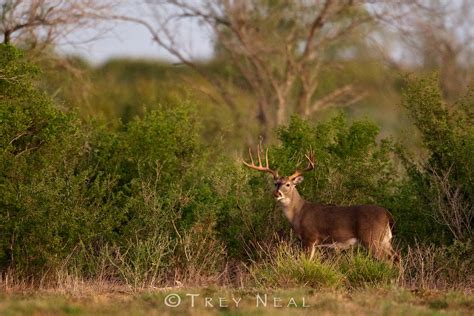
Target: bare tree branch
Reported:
point(336, 97)
point(317, 23)
point(275, 48)
point(452, 210)
point(436, 34)
point(43, 22)
point(174, 50)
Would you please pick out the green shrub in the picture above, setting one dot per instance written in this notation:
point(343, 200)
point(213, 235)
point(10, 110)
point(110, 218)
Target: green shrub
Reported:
point(141, 262)
point(159, 163)
point(64, 184)
point(352, 165)
point(150, 201)
point(288, 267)
point(50, 200)
point(443, 182)
point(361, 269)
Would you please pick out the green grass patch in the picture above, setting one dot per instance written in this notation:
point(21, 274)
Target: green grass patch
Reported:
point(361, 269)
point(290, 267)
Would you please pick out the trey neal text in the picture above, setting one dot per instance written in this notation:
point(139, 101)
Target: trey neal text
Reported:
point(259, 301)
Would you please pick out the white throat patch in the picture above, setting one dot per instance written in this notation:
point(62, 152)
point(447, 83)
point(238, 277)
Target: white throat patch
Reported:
point(283, 200)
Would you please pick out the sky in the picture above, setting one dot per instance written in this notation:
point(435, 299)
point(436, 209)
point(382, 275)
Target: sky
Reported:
point(134, 41)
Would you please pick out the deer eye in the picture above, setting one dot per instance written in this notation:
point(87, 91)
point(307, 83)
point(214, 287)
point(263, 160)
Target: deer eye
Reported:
point(287, 184)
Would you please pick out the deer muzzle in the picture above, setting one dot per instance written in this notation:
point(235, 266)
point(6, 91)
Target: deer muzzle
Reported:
point(277, 194)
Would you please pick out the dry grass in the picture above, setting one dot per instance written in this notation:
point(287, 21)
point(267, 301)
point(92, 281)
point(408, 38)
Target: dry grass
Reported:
point(281, 265)
point(88, 299)
point(429, 281)
point(428, 267)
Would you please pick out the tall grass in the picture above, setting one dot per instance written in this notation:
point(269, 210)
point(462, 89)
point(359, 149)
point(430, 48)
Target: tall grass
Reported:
point(191, 262)
point(438, 267)
point(287, 266)
point(422, 267)
point(361, 269)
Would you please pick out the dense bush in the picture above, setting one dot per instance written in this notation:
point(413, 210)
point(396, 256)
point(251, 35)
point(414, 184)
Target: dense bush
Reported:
point(49, 200)
point(67, 184)
point(117, 200)
point(352, 165)
point(441, 186)
point(151, 201)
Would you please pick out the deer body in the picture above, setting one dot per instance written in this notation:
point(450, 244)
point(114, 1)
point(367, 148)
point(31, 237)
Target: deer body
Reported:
point(343, 226)
point(330, 225)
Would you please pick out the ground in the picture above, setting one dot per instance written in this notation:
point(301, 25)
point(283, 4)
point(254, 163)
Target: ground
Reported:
point(209, 301)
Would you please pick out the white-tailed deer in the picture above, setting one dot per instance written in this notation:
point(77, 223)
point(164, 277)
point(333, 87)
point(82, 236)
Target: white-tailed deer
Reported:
point(320, 225)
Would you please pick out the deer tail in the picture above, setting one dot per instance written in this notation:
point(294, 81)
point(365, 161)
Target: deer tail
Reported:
point(391, 221)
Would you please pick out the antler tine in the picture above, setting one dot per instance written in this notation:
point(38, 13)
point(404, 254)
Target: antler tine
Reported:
point(251, 157)
point(260, 166)
point(266, 158)
point(258, 155)
point(310, 157)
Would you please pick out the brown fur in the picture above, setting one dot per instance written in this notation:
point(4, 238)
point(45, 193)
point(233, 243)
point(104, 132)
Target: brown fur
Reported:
point(335, 226)
point(329, 225)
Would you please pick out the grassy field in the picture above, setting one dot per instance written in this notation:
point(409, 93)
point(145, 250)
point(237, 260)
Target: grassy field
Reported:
point(209, 301)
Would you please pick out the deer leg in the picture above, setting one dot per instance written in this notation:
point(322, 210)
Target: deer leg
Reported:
point(379, 253)
point(391, 254)
point(387, 248)
point(381, 246)
point(375, 248)
point(313, 249)
point(310, 247)
point(383, 251)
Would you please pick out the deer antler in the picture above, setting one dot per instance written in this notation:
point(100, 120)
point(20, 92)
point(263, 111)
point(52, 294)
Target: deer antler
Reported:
point(297, 173)
point(260, 166)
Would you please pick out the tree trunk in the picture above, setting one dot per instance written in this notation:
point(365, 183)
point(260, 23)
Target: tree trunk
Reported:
point(281, 111)
point(303, 102)
point(6, 37)
point(262, 118)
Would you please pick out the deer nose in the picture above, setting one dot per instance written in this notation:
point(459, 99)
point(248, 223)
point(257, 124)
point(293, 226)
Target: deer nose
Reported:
point(277, 193)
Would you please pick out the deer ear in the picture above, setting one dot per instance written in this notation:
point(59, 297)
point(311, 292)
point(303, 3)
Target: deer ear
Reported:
point(298, 180)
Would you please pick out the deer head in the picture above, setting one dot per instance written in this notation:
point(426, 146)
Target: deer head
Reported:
point(285, 187)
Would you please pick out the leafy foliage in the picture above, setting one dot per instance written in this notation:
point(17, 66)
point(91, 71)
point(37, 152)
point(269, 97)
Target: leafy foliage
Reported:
point(352, 167)
point(151, 199)
point(444, 182)
point(49, 200)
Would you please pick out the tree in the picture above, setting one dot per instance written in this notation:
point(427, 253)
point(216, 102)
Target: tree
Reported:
point(276, 48)
point(39, 23)
point(435, 34)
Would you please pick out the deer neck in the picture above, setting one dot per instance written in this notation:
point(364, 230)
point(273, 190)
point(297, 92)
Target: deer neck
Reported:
point(292, 207)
